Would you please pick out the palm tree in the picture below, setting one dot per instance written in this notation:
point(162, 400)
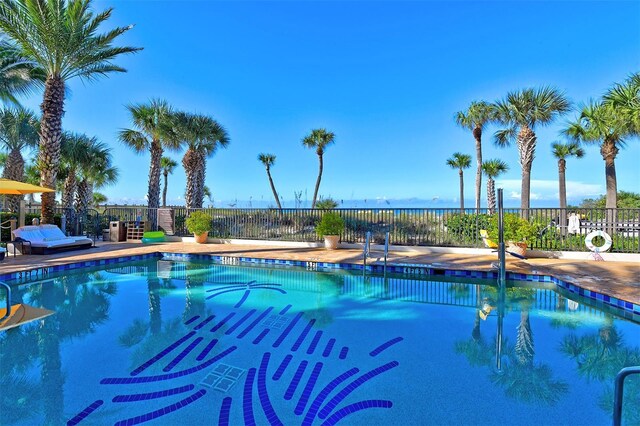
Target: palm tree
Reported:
point(153, 132)
point(318, 139)
point(460, 161)
point(521, 111)
point(475, 118)
point(208, 194)
point(18, 130)
point(625, 100)
point(18, 75)
point(167, 165)
point(203, 135)
point(62, 38)
point(75, 151)
point(99, 198)
point(600, 123)
point(561, 151)
point(97, 173)
point(269, 160)
point(493, 169)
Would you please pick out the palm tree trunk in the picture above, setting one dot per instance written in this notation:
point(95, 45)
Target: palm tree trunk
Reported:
point(14, 170)
point(477, 134)
point(68, 192)
point(315, 192)
point(562, 193)
point(164, 190)
point(194, 164)
point(525, 348)
point(609, 152)
point(52, 108)
point(153, 193)
point(526, 149)
point(461, 192)
point(491, 195)
point(273, 189)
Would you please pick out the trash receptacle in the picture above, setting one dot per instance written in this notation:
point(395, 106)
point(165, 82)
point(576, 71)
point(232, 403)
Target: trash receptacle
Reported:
point(117, 231)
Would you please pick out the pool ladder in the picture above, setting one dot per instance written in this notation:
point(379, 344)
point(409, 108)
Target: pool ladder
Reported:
point(619, 392)
point(366, 251)
point(8, 289)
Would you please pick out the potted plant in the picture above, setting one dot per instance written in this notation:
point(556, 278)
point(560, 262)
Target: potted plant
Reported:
point(199, 224)
point(518, 232)
point(330, 227)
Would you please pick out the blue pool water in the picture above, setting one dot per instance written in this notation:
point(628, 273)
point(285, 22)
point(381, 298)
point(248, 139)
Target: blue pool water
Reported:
point(175, 342)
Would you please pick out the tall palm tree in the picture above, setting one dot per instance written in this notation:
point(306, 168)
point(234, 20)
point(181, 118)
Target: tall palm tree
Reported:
point(493, 169)
point(202, 135)
point(475, 118)
point(18, 75)
point(460, 161)
point(318, 139)
point(625, 100)
point(99, 198)
point(561, 151)
point(97, 173)
point(208, 194)
point(75, 152)
point(152, 132)
point(18, 130)
point(522, 111)
point(600, 123)
point(62, 38)
point(167, 165)
point(268, 160)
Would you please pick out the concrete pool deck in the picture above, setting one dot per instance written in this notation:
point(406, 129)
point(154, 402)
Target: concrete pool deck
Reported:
point(616, 279)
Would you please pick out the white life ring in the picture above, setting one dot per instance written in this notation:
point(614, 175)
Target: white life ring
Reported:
point(589, 241)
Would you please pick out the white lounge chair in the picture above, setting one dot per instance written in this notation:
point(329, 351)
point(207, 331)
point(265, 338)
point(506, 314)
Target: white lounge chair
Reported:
point(46, 239)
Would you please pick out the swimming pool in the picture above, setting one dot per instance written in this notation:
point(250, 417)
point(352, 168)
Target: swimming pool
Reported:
point(170, 341)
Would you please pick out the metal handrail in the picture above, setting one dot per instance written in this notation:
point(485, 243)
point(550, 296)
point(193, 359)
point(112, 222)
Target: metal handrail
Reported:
point(619, 392)
point(8, 289)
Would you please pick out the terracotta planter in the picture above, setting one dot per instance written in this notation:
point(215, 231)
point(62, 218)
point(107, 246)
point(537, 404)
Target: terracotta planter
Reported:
point(518, 248)
point(202, 238)
point(331, 242)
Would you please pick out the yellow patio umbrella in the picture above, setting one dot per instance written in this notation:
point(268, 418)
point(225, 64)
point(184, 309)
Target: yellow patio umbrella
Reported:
point(13, 187)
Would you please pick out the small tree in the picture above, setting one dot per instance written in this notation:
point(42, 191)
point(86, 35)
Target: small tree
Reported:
point(268, 160)
point(493, 168)
point(168, 165)
point(561, 151)
point(318, 139)
point(460, 161)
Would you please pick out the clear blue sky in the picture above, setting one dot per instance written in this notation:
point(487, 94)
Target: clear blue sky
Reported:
point(387, 78)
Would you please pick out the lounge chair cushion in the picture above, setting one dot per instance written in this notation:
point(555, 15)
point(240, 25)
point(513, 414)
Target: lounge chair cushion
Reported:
point(35, 235)
point(53, 233)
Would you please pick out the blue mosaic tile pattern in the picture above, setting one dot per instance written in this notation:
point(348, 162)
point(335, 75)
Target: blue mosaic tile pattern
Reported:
point(344, 352)
point(222, 323)
point(340, 396)
point(295, 380)
point(353, 408)
point(192, 319)
point(240, 322)
point(225, 411)
point(255, 322)
point(385, 345)
point(243, 298)
point(260, 336)
point(162, 353)
point(84, 413)
point(328, 348)
point(285, 309)
point(247, 401)
point(287, 330)
point(152, 395)
point(314, 342)
point(182, 354)
point(204, 322)
point(162, 411)
point(303, 335)
point(206, 350)
point(283, 366)
point(324, 393)
point(169, 376)
point(270, 412)
point(308, 389)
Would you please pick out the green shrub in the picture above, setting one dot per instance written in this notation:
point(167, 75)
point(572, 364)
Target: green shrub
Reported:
point(198, 223)
point(330, 224)
point(466, 227)
point(515, 228)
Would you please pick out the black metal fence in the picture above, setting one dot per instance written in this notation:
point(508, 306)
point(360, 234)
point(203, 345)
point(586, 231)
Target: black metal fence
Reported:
point(410, 227)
